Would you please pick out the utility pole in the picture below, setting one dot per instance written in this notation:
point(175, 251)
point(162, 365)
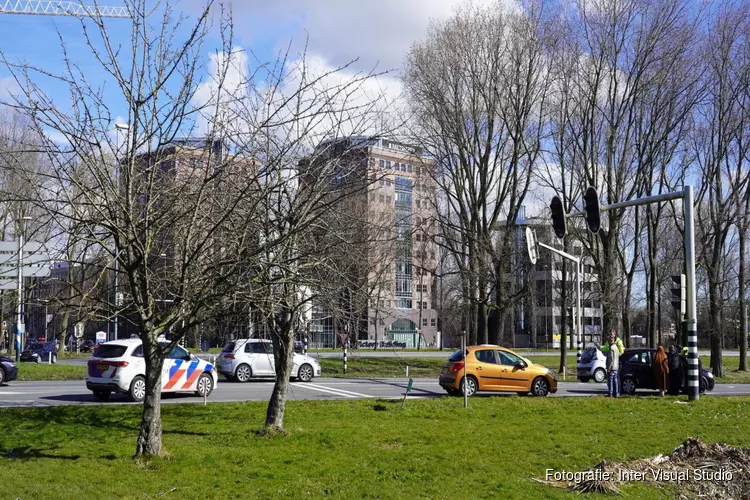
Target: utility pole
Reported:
point(20, 326)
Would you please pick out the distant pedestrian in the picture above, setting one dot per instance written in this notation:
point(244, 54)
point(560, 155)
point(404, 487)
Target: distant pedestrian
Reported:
point(660, 367)
point(676, 370)
point(613, 366)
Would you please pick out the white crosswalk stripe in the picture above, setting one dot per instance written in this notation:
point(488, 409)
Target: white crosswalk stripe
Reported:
point(338, 392)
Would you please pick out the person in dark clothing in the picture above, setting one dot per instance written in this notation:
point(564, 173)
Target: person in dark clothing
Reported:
point(676, 371)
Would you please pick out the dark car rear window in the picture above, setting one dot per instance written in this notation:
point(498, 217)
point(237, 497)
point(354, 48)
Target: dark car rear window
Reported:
point(229, 347)
point(110, 351)
point(457, 356)
point(35, 347)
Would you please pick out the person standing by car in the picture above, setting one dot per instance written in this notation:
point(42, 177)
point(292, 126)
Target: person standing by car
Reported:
point(613, 366)
point(616, 341)
point(660, 367)
point(675, 370)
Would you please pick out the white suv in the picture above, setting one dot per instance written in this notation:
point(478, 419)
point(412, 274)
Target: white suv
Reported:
point(244, 359)
point(119, 366)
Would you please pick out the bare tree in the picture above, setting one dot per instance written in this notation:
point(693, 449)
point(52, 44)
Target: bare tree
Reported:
point(477, 86)
point(720, 149)
point(622, 53)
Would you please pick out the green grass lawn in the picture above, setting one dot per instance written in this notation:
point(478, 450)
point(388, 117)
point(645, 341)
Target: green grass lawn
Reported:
point(433, 448)
point(44, 371)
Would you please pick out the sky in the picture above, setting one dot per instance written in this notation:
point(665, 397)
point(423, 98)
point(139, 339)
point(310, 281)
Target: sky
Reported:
point(336, 32)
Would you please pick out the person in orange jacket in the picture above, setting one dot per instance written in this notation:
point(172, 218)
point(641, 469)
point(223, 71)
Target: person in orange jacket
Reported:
point(660, 367)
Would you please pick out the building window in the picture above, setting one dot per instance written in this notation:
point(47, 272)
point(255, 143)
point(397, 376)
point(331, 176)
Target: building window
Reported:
point(382, 163)
point(419, 203)
point(388, 164)
point(403, 303)
point(388, 199)
point(382, 182)
point(424, 321)
point(388, 182)
point(381, 198)
point(408, 168)
point(433, 322)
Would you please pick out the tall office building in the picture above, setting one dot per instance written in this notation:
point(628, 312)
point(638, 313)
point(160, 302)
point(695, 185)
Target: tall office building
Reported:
point(397, 247)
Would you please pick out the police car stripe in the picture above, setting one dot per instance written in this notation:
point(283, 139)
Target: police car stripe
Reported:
point(192, 374)
point(175, 373)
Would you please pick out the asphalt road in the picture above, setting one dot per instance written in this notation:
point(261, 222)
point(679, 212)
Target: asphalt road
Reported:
point(368, 353)
point(41, 394)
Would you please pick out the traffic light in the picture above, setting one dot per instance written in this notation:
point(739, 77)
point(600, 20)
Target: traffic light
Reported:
point(679, 295)
point(558, 217)
point(591, 206)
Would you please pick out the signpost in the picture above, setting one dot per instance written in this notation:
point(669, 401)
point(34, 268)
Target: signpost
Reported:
point(408, 390)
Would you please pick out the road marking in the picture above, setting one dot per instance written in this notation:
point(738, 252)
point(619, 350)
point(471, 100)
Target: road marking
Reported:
point(338, 392)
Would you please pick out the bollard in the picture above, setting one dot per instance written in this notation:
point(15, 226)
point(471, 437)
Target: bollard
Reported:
point(407, 371)
point(344, 358)
point(49, 358)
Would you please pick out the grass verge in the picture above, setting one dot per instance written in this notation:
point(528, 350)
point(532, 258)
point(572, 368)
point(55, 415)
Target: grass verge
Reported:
point(432, 448)
point(43, 371)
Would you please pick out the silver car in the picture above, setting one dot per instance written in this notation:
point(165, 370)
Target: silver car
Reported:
point(244, 359)
point(593, 365)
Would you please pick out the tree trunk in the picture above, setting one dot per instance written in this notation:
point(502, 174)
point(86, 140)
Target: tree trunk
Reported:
point(715, 325)
point(652, 292)
point(495, 333)
point(283, 345)
point(64, 324)
point(743, 301)
point(149, 436)
point(482, 322)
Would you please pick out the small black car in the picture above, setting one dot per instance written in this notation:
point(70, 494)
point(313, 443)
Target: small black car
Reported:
point(636, 372)
point(88, 346)
point(8, 369)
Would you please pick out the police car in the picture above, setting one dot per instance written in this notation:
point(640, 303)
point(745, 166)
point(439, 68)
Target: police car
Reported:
point(119, 366)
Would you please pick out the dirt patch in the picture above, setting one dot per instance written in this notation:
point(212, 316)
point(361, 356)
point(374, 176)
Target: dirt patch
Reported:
point(695, 469)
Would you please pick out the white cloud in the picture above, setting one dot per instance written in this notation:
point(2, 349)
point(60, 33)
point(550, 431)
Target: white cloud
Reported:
point(8, 87)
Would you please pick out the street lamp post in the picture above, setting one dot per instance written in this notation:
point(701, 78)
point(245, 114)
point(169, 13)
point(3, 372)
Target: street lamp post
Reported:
point(20, 327)
point(120, 127)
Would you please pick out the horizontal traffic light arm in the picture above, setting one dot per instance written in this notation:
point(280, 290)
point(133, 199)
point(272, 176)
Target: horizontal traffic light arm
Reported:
point(632, 203)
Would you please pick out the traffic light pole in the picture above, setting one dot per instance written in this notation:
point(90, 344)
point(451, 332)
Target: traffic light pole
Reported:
point(691, 310)
point(578, 321)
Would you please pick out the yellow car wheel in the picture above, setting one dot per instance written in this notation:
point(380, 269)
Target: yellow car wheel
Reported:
point(540, 387)
point(469, 386)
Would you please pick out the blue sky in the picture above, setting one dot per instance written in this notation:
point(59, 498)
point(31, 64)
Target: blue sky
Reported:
point(336, 31)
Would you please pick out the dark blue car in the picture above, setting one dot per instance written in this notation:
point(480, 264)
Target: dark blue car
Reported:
point(8, 369)
point(40, 352)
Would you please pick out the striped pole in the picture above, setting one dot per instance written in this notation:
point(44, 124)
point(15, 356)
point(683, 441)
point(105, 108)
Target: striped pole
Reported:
point(691, 309)
point(304, 345)
point(579, 319)
point(345, 344)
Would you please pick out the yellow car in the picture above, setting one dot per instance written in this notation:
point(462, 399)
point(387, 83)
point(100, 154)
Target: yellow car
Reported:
point(497, 369)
